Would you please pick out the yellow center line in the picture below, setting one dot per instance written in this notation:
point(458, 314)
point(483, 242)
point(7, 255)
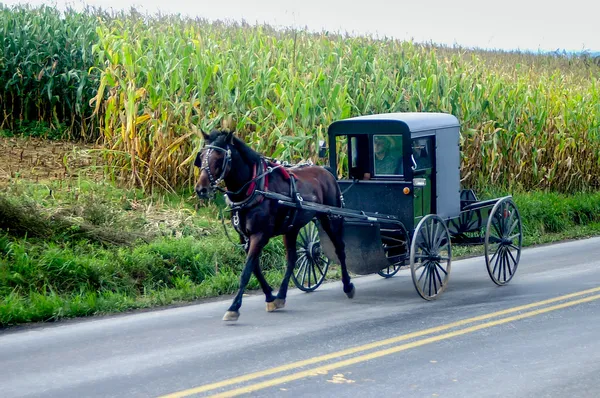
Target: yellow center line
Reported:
point(376, 344)
point(377, 354)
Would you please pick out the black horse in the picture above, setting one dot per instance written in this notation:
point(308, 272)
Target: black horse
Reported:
point(258, 217)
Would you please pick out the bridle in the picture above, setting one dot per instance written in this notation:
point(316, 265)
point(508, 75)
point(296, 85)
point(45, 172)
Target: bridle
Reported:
point(214, 182)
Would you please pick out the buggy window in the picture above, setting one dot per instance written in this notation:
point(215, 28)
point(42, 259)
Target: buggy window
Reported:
point(422, 152)
point(387, 155)
point(352, 159)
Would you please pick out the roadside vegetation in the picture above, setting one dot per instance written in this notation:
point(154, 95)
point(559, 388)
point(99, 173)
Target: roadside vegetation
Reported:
point(100, 119)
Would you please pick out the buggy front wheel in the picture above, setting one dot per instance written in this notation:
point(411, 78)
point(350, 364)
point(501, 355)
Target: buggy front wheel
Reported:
point(430, 256)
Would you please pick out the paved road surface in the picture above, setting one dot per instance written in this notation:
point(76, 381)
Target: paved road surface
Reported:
point(387, 341)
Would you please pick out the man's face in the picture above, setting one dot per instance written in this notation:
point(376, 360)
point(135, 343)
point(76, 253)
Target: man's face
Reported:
point(380, 145)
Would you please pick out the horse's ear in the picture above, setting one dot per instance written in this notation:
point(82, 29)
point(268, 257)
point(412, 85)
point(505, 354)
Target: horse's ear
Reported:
point(229, 137)
point(206, 136)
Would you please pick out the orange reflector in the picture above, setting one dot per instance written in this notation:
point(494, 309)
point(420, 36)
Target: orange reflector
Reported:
point(406, 190)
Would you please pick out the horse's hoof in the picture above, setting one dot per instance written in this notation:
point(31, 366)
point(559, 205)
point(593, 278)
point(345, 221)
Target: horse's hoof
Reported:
point(279, 303)
point(275, 305)
point(350, 294)
point(231, 316)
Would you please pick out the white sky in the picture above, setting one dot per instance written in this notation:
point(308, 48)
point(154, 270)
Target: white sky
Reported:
point(570, 25)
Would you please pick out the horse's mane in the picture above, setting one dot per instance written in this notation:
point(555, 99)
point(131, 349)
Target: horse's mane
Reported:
point(247, 153)
point(218, 139)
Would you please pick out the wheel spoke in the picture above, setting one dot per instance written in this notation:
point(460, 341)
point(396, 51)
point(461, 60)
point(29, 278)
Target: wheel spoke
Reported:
point(497, 259)
point(424, 269)
point(504, 265)
point(306, 265)
point(518, 249)
point(423, 232)
point(302, 237)
point(495, 254)
point(442, 268)
point(430, 279)
point(299, 261)
point(440, 238)
point(503, 218)
point(512, 227)
point(432, 273)
point(435, 270)
point(508, 263)
point(314, 272)
point(319, 267)
point(433, 235)
point(512, 257)
point(513, 237)
point(314, 232)
point(425, 249)
point(497, 227)
point(501, 257)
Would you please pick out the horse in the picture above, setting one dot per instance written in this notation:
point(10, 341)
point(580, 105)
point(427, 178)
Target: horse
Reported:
point(257, 217)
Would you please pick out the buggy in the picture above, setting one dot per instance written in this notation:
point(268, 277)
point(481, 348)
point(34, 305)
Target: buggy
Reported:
point(404, 205)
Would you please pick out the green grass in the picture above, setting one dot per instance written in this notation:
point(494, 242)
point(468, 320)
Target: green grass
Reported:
point(186, 255)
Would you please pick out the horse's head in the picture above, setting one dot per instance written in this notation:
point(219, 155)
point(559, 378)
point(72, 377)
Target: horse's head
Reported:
point(214, 162)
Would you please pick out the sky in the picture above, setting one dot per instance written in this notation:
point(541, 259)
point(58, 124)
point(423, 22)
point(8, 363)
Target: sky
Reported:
point(507, 24)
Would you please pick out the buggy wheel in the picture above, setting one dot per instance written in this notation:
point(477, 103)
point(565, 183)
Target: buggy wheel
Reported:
point(390, 270)
point(311, 264)
point(430, 256)
point(503, 241)
point(396, 245)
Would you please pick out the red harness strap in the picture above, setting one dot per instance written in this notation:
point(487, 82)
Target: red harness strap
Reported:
point(286, 174)
point(252, 185)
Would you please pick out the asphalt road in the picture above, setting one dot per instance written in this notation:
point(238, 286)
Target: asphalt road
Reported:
point(537, 336)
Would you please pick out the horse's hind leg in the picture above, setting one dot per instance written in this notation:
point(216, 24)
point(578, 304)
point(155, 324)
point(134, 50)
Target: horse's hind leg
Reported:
point(266, 288)
point(257, 243)
point(334, 227)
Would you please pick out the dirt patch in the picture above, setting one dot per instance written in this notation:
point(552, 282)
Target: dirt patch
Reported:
point(39, 160)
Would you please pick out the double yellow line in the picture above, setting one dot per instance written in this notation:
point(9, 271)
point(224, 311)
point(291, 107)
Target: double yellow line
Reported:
point(383, 352)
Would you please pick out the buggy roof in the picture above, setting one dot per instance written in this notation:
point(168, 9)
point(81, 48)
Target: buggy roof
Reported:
point(394, 122)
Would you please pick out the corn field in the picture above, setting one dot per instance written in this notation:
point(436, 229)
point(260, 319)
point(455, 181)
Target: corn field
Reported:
point(145, 86)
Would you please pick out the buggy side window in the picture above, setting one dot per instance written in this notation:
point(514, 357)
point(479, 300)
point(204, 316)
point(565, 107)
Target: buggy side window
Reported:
point(353, 160)
point(387, 155)
point(422, 153)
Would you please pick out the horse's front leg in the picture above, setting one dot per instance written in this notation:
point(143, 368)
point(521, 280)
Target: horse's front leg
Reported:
point(289, 241)
point(257, 243)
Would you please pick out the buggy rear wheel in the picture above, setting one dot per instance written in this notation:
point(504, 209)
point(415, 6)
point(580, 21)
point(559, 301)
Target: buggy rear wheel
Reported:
point(503, 241)
point(430, 256)
point(396, 245)
point(311, 264)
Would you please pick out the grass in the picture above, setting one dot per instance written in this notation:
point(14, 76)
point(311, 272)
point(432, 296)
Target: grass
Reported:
point(184, 256)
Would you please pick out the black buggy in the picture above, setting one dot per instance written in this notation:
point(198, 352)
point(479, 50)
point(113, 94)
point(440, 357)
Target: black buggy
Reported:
point(404, 206)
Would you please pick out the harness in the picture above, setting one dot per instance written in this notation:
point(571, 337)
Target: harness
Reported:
point(256, 191)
